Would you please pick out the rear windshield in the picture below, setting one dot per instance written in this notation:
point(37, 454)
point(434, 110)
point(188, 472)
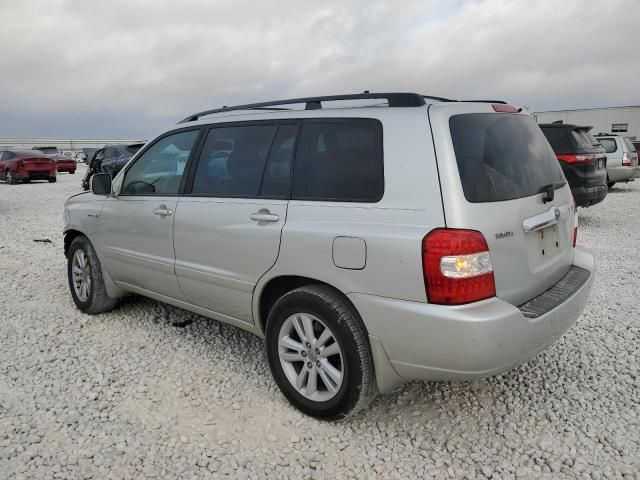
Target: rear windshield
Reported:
point(629, 144)
point(502, 157)
point(582, 138)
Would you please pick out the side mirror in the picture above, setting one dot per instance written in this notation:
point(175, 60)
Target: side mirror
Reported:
point(101, 184)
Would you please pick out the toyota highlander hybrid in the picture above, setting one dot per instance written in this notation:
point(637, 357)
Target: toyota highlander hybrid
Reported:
point(371, 239)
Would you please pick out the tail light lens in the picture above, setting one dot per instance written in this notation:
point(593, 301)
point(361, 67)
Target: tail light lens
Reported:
point(626, 159)
point(457, 267)
point(577, 158)
point(504, 108)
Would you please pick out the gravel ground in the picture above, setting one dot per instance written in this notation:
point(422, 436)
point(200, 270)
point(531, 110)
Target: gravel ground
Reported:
point(128, 395)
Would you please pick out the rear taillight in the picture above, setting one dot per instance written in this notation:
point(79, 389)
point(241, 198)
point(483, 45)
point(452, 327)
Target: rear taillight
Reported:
point(626, 159)
point(457, 267)
point(577, 158)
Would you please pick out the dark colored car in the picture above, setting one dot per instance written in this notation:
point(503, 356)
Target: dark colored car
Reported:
point(583, 161)
point(25, 165)
point(110, 159)
point(89, 153)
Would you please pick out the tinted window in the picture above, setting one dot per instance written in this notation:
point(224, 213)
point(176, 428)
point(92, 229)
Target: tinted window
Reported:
point(609, 144)
point(340, 161)
point(582, 138)
point(233, 160)
point(502, 157)
point(277, 174)
point(158, 171)
point(558, 139)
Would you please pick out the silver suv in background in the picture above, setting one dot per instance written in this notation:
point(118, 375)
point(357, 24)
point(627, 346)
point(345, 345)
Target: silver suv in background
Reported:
point(622, 159)
point(371, 239)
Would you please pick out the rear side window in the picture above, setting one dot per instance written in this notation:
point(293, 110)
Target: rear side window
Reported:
point(502, 157)
point(629, 144)
point(233, 160)
point(609, 144)
point(339, 161)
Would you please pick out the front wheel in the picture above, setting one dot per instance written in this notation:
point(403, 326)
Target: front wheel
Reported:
point(52, 179)
point(319, 353)
point(85, 278)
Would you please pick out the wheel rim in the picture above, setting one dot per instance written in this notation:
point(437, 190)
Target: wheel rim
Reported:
point(310, 357)
point(9, 177)
point(81, 275)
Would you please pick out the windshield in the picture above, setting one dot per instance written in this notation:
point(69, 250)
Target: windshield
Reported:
point(502, 156)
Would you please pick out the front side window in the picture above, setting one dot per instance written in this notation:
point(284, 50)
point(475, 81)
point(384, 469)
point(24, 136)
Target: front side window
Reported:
point(339, 161)
point(233, 160)
point(609, 144)
point(159, 170)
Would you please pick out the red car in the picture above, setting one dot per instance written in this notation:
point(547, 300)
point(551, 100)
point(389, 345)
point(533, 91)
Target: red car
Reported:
point(26, 165)
point(65, 164)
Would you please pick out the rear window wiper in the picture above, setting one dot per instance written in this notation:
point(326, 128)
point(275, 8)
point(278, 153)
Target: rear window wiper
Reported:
point(549, 191)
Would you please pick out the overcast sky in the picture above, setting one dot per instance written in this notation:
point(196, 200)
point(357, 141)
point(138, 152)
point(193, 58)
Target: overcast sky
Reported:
point(127, 68)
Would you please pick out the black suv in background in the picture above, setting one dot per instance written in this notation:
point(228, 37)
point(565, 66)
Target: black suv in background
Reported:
point(110, 159)
point(583, 160)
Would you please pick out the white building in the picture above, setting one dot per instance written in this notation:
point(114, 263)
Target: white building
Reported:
point(622, 120)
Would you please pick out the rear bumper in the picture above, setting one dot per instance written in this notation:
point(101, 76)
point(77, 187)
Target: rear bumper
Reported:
point(432, 342)
point(587, 196)
point(66, 167)
point(35, 173)
point(620, 174)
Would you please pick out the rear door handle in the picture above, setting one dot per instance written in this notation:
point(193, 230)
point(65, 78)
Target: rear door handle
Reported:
point(162, 211)
point(264, 215)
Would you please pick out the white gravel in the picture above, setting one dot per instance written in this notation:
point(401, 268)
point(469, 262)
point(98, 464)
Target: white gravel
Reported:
point(128, 395)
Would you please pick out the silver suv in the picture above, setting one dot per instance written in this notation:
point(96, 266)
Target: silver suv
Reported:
point(371, 239)
point(622, 159)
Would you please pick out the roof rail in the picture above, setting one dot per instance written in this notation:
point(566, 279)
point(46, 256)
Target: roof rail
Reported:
point(315, 103)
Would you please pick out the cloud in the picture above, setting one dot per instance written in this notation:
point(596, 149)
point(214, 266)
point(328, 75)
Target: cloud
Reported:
point(130, 67)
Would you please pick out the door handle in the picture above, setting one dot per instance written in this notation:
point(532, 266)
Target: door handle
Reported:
point(162, 211)
point(264, 215)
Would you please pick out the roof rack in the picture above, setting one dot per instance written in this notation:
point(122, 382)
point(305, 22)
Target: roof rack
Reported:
point(315, 103)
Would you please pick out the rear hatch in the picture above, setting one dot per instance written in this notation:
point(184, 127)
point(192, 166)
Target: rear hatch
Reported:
point(499, 176)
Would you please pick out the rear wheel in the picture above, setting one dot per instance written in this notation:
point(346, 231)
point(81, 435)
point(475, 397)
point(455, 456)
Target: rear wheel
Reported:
point(11, 178)
point(85, 278)
point(72, 172)
point(319, 353)
point(52, 179)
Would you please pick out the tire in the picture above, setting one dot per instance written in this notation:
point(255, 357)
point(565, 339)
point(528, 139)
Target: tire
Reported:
point(326, 309)
point(97, 300)
point(72, 172)
point(610, 184)
point(10, 178)
point(52, 179)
